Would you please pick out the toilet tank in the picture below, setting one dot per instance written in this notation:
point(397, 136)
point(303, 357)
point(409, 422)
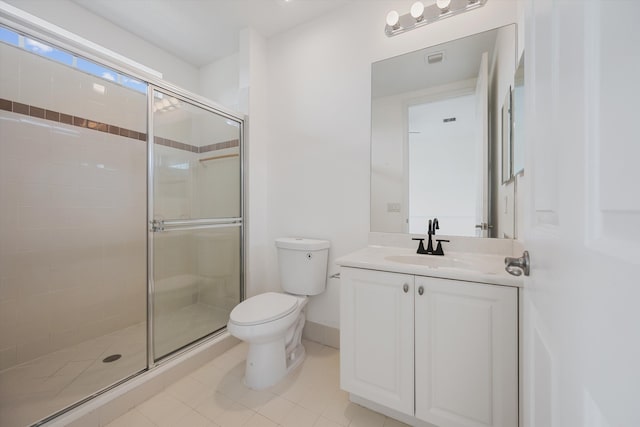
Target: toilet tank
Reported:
point(303, 265)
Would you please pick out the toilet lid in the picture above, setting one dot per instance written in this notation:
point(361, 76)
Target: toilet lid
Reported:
point(263, 308)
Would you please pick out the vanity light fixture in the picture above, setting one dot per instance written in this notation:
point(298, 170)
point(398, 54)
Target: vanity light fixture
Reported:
point(420, 14)
point(417, 11)
point(443, 5)
point(392, 20)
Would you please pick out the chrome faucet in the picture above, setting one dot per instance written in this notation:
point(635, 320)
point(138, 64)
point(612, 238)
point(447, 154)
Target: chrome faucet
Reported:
point(431, 231)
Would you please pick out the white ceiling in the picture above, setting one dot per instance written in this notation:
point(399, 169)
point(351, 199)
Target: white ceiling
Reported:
point(202, 31)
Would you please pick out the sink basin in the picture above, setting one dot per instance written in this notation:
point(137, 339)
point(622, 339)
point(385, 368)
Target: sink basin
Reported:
point(429, 261)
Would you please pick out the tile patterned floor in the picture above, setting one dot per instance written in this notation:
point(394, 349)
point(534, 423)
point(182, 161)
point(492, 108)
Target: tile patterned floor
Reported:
point(214, 396)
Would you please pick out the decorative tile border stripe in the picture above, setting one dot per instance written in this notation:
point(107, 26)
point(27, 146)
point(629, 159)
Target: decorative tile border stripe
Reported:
point(192, 148)
point(67, 119)
point(175, 144)
point(54, 116)
point(220, 146)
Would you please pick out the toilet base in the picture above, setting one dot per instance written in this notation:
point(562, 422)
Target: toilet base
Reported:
point(270, 362)
point(295, 359)
point(267, 363)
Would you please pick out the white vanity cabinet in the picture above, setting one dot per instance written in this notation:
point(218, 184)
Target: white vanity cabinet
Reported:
point(376, 337)
point(466, 353)
point(443, 352)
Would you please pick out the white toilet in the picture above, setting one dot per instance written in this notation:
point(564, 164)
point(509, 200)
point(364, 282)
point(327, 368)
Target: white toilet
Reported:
point(272, 322)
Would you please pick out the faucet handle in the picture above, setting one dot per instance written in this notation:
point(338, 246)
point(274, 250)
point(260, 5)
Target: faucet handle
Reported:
point(421, 249)
point(439, 250)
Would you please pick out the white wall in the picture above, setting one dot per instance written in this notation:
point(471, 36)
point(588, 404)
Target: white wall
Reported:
point(74, 18)
point(319, 123)
point(387, 160)
point(219, 81)
point(253, 102)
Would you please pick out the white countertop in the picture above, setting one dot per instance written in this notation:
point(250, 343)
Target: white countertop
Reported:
point(467, 266)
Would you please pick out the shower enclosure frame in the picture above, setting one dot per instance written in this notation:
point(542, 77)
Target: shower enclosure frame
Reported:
point(206, 105)
point(38, 29)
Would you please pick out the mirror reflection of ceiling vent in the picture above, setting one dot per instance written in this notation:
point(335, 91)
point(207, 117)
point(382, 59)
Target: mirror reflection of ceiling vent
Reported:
point(434, 58)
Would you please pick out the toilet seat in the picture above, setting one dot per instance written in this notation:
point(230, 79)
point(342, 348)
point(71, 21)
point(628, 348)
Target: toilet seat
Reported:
point(263, 308)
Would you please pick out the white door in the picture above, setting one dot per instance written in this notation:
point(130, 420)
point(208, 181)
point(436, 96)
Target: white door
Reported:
point(376, 337)
point(581, 303)
point(466, 356)
point(482, 148)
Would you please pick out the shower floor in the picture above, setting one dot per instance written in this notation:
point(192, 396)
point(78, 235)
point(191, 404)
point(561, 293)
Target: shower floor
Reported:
point(38, 388)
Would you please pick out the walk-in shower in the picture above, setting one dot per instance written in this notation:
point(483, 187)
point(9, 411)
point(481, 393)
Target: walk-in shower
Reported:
point(120, 224)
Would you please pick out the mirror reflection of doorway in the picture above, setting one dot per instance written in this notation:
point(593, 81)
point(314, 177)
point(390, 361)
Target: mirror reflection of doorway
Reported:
point(442, 162)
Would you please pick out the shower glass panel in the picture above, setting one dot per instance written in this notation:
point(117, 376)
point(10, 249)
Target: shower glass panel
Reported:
point(73, 278)
point(196, 221)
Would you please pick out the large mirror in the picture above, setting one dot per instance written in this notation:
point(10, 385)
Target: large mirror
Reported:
point(436, 117)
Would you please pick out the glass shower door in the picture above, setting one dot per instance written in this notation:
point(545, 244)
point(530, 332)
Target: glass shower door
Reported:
point(73, 254)
point(196, 221)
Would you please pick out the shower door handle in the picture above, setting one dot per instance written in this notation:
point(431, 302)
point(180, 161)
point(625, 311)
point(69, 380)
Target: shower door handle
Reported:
point(160, 225)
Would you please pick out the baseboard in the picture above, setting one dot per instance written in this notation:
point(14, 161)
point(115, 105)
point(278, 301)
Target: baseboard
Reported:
point(322, 334)
point(407, 419)
point(113, 403)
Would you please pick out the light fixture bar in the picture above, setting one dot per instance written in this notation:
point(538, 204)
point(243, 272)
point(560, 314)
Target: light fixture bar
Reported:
point(432, 13)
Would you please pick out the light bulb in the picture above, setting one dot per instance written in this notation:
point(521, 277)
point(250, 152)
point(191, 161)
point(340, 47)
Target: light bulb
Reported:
point(417, 10)
point(393, 18)
point(443, 4)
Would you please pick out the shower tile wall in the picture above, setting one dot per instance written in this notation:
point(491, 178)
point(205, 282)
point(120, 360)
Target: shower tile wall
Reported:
point(73, 209)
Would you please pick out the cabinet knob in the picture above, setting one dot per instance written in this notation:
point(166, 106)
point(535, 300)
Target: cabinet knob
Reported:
point(421, 290)
point(405, 288)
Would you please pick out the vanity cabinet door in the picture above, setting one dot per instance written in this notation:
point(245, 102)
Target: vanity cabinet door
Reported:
point(376, 337)
point(466, 353)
